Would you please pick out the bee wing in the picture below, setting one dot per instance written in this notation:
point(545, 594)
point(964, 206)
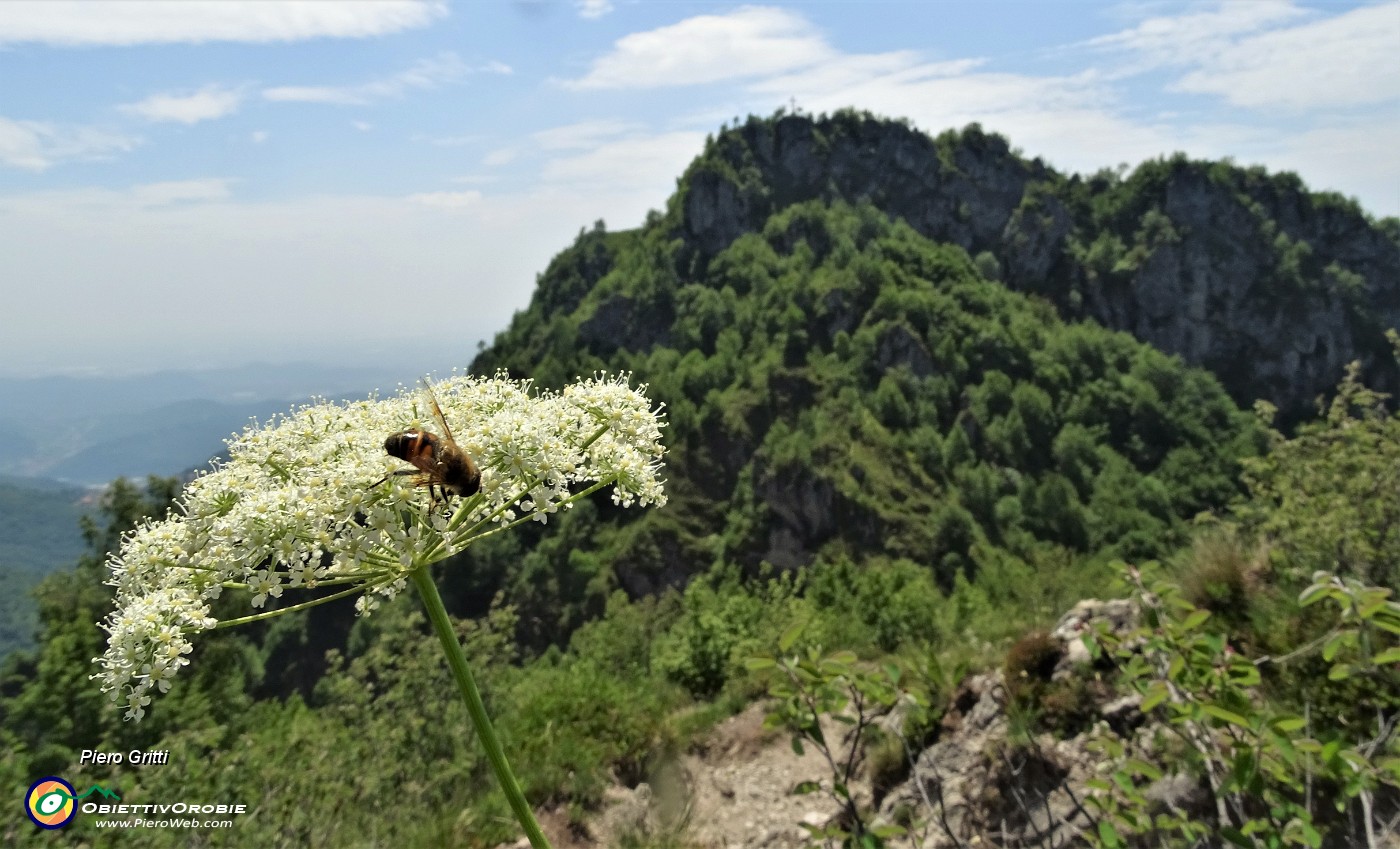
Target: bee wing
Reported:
point(437, 413)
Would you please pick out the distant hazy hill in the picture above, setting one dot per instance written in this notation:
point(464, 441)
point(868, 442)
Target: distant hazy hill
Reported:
point(39, 533)
point(89, 430)
point(166, 440)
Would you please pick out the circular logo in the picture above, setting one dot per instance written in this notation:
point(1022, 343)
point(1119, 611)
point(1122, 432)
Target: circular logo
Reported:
point(50, 802)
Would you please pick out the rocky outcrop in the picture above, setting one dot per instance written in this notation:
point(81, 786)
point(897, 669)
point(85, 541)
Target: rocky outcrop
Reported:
point(964, 195)
point(1275, 317)
point(1273, 288)
point(621, 322)
point(982, 783)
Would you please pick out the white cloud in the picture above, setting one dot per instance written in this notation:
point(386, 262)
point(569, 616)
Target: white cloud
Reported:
point(344, 96)
point(446, 141)
point(1347, 60)
point(39, 145)
point(583, 134)
point(1356, 158)
point(751, 41)
point(1196, 36)
point(645, 166)
point(424, 74)
point(208, 103)
point(500, 156)
point(362, 126)
point(1269, 55)
point(1092, 118)
point(447, 200)
point(258, 136)
point(593, 9)
point(937, 95)
point(854, 75)
point(181, 191)
point(130, 22)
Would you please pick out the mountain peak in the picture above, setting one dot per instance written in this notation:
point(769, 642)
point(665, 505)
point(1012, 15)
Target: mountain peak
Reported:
point(1247, 273)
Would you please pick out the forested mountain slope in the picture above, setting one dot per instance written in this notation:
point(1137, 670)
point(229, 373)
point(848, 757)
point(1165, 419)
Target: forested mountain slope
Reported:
point(839, 385)
point(1272, 287)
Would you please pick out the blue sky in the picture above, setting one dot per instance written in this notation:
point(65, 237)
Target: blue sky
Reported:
point(211, 183)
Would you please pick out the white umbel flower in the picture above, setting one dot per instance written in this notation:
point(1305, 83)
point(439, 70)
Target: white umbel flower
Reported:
point(296, 508)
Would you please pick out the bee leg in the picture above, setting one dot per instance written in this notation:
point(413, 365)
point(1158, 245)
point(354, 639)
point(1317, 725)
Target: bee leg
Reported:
point(399, 473)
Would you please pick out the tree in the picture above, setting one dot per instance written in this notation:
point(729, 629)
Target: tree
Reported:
point(1326, 500)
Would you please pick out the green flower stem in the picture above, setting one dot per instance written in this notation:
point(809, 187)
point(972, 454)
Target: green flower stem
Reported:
point(189, 567)
point(268, 614)
point(529, 517)
point(340, 578)
point(461, 540)
point(485, 731)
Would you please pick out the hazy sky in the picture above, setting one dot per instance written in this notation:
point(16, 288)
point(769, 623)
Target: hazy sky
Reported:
point(202, 183)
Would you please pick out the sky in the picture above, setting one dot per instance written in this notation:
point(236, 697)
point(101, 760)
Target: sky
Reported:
point(208, 183)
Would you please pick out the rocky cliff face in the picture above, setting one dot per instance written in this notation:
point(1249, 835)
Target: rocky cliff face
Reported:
point(1271, 287)
point(963, 195)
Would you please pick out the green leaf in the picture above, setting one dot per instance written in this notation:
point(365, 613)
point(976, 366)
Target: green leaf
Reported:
point(1334, 644)
point(797, 747)
point(1390, 765)
point(1387, 656)
point(893, 672)
point(1283, 748)
point(1339, 672)
point(1314, 594)
point(1155, 695)
point(1355, 759)
point(803, 788)
point(790, 635)
point(1225, 714)
point(1289, 724)
point(1176, 601)
point(1143, 768)
point(1195, 620)
point(1330, 749)
point(758, 664)
point(1369, 608)
point(1108, 835)
point(1244, 674)
point(1385, 623)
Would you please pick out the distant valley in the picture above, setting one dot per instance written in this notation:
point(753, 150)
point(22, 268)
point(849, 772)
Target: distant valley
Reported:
point(62, 439)
point(85, 431)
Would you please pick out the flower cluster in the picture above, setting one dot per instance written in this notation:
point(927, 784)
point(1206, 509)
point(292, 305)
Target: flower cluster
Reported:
point(297, 507)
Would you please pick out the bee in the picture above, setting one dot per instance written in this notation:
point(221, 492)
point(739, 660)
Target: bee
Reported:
point(440, 463)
